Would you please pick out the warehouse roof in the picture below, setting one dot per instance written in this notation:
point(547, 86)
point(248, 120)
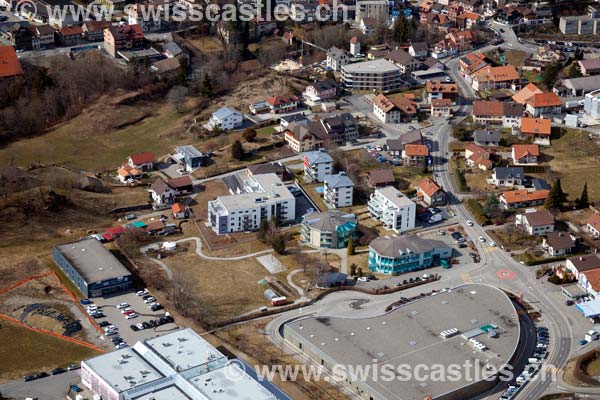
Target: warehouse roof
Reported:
point(410, 335)
point(92, 260)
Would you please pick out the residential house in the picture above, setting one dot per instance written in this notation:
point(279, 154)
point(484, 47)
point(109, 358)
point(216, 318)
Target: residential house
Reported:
point(495, 78)
point(180, 211)
point(593, 226)
point(523, 198)
point(368, 26)
point(282, 104)
point(441, 90)
point(317, 165)
point(543, 103)
point(337, 129)
point(470, 63)
point(395, 146)
point(396, 255)
point(478, 157)
point(578, 265)
point(328, 230)
point(589, 67)
point(558, 244)
point(590, 282)
point(548, 54)
point(485, 137)
point(338, 190)
point(395, 110)
point(507, 176)
point(441, 108)
point(377, 9)
point(226, 119)
point(42, 36)
point(282, 172)
point(468, 20)
point(415, 155)
point(396, 211)
point(462, 40)
point(591, 105)
point(380, 177)
point(123, 37)
point(535, 222)
point(93, 31)
point(430, 192)
point(403, 60)
point(322, 90)
point(173, 50)
point(524, 154)
point(300, 138)
point(419, 50)
point(128, 174)
point(142, 161)
point(539, 128)
point(336, 58)
point(190, 158)
point(507, 114)
point(286, 120)
point(166, 67)
point(70, 35)
point(163, 192)
point(355, 46)
point(380, 75)
point(265, 197)
point(9, 63)
point(17, 34)
point(526, 93)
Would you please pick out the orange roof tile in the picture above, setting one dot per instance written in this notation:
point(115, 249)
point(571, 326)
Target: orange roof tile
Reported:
point(518, 196)
point(441, 102)
point(498, 74)
point(526, 93)
point(536, 126)
point(547, 99)
point(415, 150)
point(593, 277)
point(523, 150)
point(594, 221)
point(488, 108)
point(441, 87)
point(177, 208)
point(123, 172)
point(9, 62)
point(428, 186)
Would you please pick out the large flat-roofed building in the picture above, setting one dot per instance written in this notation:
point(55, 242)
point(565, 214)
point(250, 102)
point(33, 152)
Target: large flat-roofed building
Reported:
point(380, 75)
point(92, 268)
point(262, 197)
point(396, 211)
point(176, 366)
point(481, 325)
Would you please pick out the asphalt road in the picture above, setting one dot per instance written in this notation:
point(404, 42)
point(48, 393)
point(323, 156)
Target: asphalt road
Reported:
point(50, 388)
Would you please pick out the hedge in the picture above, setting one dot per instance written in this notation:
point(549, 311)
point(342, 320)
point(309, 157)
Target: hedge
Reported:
point(539, 261)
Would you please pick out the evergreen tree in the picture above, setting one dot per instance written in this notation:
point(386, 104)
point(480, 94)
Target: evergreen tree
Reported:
point(556, 197)
point(352, 269)
point(206, 87)
point(583, 201)
point(262, 230)
point(279, 244)
point(351, 246)
point(237, 150)
point(402, 30)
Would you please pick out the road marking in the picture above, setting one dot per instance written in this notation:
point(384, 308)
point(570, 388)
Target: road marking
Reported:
point(466, 277)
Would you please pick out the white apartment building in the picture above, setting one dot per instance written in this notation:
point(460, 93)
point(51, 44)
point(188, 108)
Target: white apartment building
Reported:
point(381, 75)
point(262, 197)
point(396, 211)
point(176, 366)
point(591, 104)
point(317, 165)
point(226, 119)
point(376, 9)
point(338, 190)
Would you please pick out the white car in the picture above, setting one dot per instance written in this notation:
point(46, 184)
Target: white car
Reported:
point(469, 222)
point(492, 244)
point(363, 279)
point(131, 316)
point(142, 292)
point(110, 328)
point(122, 305)
point(140, 326)
point(481, 239)
point(150, 300)
point(121, 345)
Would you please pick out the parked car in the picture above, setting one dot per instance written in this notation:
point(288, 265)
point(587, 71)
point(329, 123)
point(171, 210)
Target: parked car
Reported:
point(73, 367)
point(134, 327)
point(41, 375)
point(103, 324)
point(122, 305)
point(150, 300)
point(29, 378)
point(469, 222)
point(481, 239)
point(142, 292)
point(131, 316)
point(583, 342)
point(86, 302)
point(76, 388)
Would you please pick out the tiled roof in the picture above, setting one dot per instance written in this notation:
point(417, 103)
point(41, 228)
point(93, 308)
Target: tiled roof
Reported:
point(547, 99)
point(381, 176)
point(441, 102)
point(428, 186)
point(539, 218)
point(9, 63)
point(522, 195)
point(594, 221)
point(283, 99)
point(498, 74)
point(526, 93)
point(560, 240)
point(536, 126)
point(143, 158)
point(415, 150)
point(441, 87)
point(488, 108)
point(523, 150)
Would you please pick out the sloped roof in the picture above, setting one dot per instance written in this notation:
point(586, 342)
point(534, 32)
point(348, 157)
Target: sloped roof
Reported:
point(328, 221)
point(547, 99)
point(381, 176)
point(416, 150)
point(523, 150)
point(428, 186)
point(585, 262)
point(395, 247)
point(536, 126)
point(488, 108)
point(338, 181)
point(497, 74)
point(485, 135)
point(143, 158)
point(509, 172)
point(441, 87)
point(9, 62)
point(526, 93)
point(560, 240)
point(282, 99)
point(594, 221)
point(517, 196)
point(539, 218)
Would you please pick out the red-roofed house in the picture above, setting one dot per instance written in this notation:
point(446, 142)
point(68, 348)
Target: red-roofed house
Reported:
point(478, 157)
point(282, 104)
point(540, 128)
point(179, 210)
point(543, 103)
point(394, 110)
point(70, 35)
point(593, 226)
point(142, 161)
point(502, 77)
point(441, 108)
point(9, 62)
point(415, 154)
point(523, 154)
point(523, 198)
point(430, 192)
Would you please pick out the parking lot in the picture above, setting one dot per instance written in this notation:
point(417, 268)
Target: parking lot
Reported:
point(303, 203)
point(461, 254)
point(114, 315)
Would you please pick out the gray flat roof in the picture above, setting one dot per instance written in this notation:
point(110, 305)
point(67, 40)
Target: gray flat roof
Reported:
point(168, 393)
point(92, 260)
point(217, 385)
point(410, 335)
point(374, 66)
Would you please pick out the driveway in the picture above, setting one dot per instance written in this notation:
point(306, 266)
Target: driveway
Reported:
point(50, 388)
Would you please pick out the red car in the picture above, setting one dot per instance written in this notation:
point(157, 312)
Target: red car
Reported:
point(129, 312)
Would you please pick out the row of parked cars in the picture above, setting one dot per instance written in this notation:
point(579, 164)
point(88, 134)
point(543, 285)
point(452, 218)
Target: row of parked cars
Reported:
point(55, 371)
point(533, 364)
point(153, 323)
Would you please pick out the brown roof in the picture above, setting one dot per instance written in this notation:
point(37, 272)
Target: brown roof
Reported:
point(96, 26)
point(71, 30)
point(155, 226)
point(539, 218)
point(381, 176)
point(441, 87)
point(488, 108)
point(416, 150)
point(585, 262)
point(498, 74)
point(283, 99)
point(428, 186)
point(536, 126)
point(182, 181)
point(593, 278)
point(441, 102)
point(9, 63)
point(517, 196)
point(522, 150)
point(590, 65)
point(143, 158)
point(402, 103)
point(594, 221)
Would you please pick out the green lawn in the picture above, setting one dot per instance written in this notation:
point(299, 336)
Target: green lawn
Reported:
point(531, 76)
point(266, 131)
point(24, 351)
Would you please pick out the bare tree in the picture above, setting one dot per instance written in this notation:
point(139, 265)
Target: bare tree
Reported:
point(181, 291)
point(177, 97)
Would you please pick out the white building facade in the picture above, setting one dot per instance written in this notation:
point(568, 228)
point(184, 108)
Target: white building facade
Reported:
point(396, 211)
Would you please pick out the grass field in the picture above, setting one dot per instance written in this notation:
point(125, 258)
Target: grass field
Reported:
point(531, 76)
point(574, 158)
point(91, 142)
point(24, 351)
